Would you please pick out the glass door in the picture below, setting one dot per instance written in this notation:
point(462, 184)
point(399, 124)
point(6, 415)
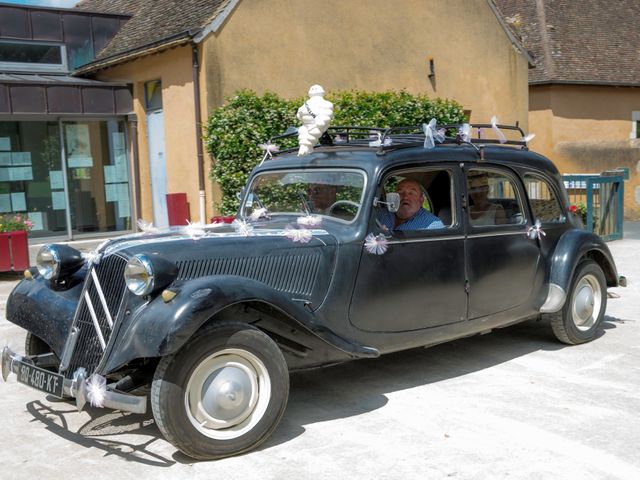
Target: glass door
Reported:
point(97, 176)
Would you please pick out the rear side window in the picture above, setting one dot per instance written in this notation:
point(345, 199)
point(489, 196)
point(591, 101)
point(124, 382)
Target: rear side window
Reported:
point(543, 200)
point(493, 199)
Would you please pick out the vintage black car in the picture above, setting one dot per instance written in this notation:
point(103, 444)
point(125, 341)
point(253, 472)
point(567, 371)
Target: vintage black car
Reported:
point(322, 265)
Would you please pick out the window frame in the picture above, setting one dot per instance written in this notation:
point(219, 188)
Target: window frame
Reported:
point(449, 229)
point(363, 195)
point(521, 197)
point(62, 67)
point(552, 187)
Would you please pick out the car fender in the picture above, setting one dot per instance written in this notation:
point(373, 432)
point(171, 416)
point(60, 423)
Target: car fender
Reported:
point(46, 313)
point(161, 328)
point(572, 246)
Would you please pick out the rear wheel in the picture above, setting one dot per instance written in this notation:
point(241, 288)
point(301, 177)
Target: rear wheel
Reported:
point(223, 393)
point(583, 312)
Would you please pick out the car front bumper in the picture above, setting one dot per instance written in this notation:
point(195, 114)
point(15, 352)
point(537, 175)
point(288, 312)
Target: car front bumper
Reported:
point(79, 388)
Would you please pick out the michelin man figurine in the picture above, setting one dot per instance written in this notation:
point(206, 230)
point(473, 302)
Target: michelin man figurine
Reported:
point(315, 115)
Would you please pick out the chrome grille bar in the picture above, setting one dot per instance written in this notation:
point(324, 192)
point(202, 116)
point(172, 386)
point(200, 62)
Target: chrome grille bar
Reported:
point(103, 301)
point(94, 317)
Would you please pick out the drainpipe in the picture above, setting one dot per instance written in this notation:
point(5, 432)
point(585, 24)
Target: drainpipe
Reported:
point(196, 97)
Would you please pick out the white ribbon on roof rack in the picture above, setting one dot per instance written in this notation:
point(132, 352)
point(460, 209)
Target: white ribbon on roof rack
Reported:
point(432, 134)
point(464, 132)
point(378, 142)
point(496, 130)
point(528, 138)
point(269, 149)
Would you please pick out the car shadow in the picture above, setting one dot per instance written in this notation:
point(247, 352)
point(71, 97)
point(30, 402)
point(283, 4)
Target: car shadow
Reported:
point(320, 395)
point(99, 431)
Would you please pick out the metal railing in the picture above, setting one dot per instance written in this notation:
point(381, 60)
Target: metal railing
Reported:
point(602, 196)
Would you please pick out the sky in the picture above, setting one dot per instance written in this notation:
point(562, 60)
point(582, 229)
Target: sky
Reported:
point(44, 3)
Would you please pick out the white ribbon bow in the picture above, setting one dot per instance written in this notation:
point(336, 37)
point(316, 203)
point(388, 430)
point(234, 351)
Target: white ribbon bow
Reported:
point(432, 134)
point(496, 130)
point(536, 231)
point(464, 132)
point(378, 142)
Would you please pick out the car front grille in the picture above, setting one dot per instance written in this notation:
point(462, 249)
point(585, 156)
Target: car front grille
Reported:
point(291, 273)
point(97, 313)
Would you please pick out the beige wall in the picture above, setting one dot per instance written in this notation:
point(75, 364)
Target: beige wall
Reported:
point(173, 68)
point(287, 45)
point(586, 129)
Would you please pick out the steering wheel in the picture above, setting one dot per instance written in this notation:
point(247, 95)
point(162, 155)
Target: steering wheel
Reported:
point(344, 204)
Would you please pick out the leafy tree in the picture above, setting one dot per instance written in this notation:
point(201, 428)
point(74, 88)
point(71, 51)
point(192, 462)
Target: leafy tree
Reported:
point(234, 131)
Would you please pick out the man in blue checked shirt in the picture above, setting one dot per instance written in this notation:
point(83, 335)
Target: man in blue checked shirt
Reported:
point(410, 215)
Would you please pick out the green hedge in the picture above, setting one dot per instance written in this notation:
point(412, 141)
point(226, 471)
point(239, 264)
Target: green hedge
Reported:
point(234, 130)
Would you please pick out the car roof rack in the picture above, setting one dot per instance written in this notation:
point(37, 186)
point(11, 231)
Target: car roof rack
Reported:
point(391, 138)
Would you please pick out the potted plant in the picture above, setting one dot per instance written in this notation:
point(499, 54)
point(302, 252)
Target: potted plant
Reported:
point(14, 247)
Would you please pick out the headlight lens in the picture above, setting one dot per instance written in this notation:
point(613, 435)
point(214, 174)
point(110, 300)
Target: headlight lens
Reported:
point(139, 275)
point(48, 262)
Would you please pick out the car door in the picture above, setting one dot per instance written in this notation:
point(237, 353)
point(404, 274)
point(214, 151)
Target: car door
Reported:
point(418, 282)
point(503, 262)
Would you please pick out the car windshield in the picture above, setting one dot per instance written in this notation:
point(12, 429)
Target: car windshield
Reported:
point(335, 194)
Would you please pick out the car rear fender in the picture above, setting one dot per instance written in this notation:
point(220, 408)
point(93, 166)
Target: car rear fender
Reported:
point(162, 328)
point(572, 247)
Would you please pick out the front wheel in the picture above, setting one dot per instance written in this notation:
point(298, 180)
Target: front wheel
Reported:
point(223, 393)
point(583, 312)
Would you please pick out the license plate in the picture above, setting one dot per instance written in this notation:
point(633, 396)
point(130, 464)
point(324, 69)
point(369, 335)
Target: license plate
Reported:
point(40, 379)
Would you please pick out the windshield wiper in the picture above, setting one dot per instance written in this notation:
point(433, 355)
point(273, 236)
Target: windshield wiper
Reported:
point(305, 203)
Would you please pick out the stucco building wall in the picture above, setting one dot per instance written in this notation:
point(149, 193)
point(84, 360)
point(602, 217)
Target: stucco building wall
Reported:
point(586, 129)
point(173, 69)
point(286, 46)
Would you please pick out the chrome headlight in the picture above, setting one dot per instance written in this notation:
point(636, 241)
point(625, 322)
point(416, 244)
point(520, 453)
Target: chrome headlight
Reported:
point(139, 275)
point(48, 262)
point(58, 261)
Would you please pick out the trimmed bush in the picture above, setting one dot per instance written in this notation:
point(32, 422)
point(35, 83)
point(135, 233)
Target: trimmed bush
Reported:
point(234, 130)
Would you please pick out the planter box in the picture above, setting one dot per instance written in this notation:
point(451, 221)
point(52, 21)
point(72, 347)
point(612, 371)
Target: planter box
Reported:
point(14, 251)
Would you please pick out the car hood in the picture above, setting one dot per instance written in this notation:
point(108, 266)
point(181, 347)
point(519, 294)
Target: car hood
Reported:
point(296, 261)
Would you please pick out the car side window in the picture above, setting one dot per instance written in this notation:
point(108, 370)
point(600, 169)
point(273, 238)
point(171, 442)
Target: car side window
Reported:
point(543, 200)
point(492, 198)
point(425, 200)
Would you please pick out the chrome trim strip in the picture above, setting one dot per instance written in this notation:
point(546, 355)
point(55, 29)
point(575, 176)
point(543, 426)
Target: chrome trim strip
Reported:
point(94, 317)
point(496, 234)
point(69, 348)
point(430, 239)
point(103, 301)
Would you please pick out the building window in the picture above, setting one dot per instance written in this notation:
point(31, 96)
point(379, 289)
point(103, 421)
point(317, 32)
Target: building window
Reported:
point(87, 192)
point(32, 57)
point(153, 95)
point(635, 125)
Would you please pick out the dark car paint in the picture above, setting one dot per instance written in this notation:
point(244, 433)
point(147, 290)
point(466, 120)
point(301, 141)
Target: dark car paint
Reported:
point(355, 312)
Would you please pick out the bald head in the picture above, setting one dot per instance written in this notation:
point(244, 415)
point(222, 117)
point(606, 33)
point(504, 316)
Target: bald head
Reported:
point(411, 198)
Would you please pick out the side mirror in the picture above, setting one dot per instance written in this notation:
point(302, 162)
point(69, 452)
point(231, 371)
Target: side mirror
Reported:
point(240, 194)
point(392, 202)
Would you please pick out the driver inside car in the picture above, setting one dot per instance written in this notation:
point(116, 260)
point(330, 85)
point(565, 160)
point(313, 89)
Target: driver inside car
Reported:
point(410, 215)
point(321, 197)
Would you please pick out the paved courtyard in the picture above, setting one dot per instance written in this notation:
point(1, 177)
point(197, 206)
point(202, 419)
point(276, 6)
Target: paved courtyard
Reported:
point(513, 404)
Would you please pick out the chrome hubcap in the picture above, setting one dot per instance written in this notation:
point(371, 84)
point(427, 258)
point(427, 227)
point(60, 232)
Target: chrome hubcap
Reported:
point(227, 394)
point(587, 301)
